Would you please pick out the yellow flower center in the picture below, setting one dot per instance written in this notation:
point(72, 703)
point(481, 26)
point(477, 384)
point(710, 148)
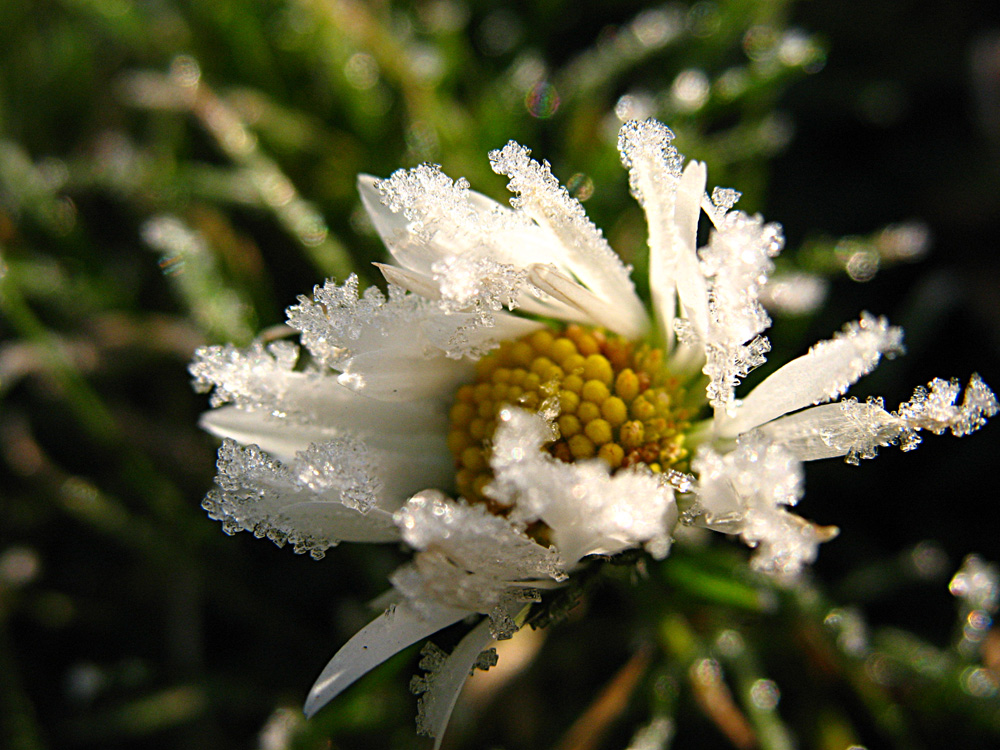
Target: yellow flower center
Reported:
point(615, 401)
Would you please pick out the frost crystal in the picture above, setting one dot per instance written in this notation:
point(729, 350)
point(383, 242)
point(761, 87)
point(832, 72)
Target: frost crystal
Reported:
point(250, 378)
point(327, 486)
point(540, 196)
point(746, 492)
point(737, 262)
point(588, 510)
point(466, 556)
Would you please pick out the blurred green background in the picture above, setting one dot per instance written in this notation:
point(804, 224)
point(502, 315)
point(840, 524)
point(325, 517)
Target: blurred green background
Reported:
point(175, 172)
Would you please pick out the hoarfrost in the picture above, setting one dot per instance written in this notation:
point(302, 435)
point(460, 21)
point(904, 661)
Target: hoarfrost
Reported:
point(326, 495)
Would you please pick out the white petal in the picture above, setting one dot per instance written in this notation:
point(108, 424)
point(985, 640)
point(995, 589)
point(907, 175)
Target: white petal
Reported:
point(588, 256)
point(826, 372)
point(442, 687)
point(392, 631)
point(672, 204)
point(255, 493)
point(737, 262)
point(468, 557)
point(844, 428)
point(595, 309)
point(411, 281)
point(315, 517)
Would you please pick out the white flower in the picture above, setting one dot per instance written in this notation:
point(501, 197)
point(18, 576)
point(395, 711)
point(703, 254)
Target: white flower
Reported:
point(564, 442)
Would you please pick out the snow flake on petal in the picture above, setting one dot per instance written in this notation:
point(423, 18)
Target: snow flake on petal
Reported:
point(445, 675)
point(825, 372)
point(590, 258)
point(857, 430)
point(933, 408)
point(451, 237)
point(337, 322)
point(326, 495)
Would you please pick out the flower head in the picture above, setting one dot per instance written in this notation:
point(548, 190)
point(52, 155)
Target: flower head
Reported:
point(510, 408)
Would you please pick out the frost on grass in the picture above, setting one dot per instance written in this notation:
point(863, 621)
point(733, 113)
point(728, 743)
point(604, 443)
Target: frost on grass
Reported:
point(326, 495)
point(857, 430)
point(737, 262)
point(747, 492)
point(466, 556)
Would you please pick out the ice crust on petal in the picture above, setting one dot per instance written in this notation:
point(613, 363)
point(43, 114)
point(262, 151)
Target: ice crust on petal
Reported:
point(446, 675)
point(454, 237)
point(372, 341)
point(737, 262)
point(260, 494)
point(671, 198)
point(398, 627)
point(252, 378)
point(824, 373)
point(747, 492)
point(466, 556)
point(589, 258)
point(857, 430)
point(588, 510)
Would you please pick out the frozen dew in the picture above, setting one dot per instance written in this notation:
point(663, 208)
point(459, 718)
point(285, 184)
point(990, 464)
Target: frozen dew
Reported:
point(850, 630)
point(794, 293)
point(19, 566)
point(542, 100)
point(908, 241)
point(656, 735)
point(765, 694)
point(361, 71)
point(759, 43)
point(656, 27)
point(634, 106)
point(690, 90)
point(185, 71)
point(580, 186)
point(978, 682)
point(499, 32)
point(976, 584)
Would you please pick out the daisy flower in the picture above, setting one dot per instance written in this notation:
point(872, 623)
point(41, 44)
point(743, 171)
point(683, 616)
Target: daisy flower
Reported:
point(511, 407)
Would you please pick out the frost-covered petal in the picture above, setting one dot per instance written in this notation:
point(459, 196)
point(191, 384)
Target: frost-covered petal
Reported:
point(593, 310)
point(375, 341)
point(257, 493)
point(406, 457)
point(588, 257)
point(857, 430)
point(588, 510)
point(737, 262)
point(848, 427)
point(468, 557)
point(445, 678)
point(397, 628)
point(746, 492)
point(826, 372)
point(671, 198)
point(472, 250)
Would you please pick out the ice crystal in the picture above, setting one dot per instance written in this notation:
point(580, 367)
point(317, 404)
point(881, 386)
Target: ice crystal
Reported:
point(466, 556)
point(250, 378)
point(737, 262)
point(824, 373)
point(747, 490)
point(329, 486)
point(540, 196)
point(589, 510)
